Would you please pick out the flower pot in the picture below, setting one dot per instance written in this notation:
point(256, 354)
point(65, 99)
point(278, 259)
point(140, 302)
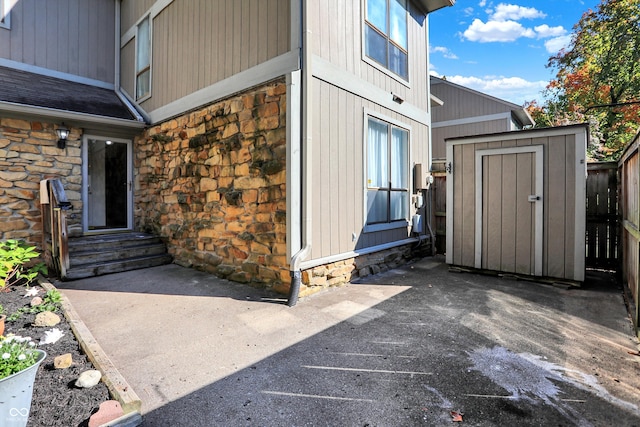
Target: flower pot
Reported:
point(15, 394)
point(2, 319)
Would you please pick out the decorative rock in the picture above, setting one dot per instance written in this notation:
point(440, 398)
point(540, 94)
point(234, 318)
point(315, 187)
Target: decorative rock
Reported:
point(46, 319)
point(108, 411)
point(88, 379)
point(63, 361)
point(36, 301)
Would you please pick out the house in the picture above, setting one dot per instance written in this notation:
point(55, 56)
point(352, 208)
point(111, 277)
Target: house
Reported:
point(462, 111)
point(280, 143)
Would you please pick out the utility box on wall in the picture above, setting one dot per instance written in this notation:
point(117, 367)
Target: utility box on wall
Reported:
point(516, 202)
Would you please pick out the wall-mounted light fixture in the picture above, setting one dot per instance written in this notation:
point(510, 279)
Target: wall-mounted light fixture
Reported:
point(63, 134)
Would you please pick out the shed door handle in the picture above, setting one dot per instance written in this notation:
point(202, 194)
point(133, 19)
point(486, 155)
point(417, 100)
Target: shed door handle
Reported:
point(534, 198)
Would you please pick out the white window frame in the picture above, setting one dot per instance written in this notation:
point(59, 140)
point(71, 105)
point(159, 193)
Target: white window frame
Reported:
point(373, 62)
point(392, 123)
point(140, 71)
point(5, 14)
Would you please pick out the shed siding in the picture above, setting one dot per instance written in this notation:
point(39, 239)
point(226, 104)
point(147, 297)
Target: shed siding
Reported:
point(478, 128)
point(67, 36)
point(560, 234)
point(198, 43)
point(337, 38)
point(338, 171)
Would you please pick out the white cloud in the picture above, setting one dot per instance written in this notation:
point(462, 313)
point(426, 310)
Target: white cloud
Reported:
point(444, 51)
point(504, 12)
point(512, 89)
point(545, 31)
point(554, 45)
point(496, 31)
point(482, 3)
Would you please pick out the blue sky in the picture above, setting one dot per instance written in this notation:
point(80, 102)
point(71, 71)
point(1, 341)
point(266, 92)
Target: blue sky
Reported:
point(502, 48)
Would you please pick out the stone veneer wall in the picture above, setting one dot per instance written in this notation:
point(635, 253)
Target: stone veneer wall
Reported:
point(28, 154)
point(212, 183)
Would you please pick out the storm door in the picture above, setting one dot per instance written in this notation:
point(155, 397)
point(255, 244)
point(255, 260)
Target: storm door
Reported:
point(509, 209)
point(107, 191)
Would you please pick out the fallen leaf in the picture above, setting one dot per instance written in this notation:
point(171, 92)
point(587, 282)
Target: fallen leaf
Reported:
point(634, 353)
point(456, 416)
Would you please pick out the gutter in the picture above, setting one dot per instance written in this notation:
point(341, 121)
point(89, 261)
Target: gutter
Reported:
point(305, 159)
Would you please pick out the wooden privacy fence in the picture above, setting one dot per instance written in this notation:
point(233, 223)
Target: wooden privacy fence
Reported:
point(602, 244)
point(629, 173)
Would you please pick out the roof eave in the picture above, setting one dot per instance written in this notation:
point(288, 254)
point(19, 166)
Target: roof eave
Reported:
point(433, 5)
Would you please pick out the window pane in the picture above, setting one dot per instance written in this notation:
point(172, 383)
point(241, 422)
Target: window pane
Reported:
point(377, 203)
point(143, 43)
point(399, 205)
point(398, 61)
point(142, 84)
point(377, 152)
point(375, 45)
point(377, 14)
point(399, 158)
point(398, 21)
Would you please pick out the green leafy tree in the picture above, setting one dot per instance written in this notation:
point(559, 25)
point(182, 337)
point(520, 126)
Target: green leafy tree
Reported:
point(598, 76)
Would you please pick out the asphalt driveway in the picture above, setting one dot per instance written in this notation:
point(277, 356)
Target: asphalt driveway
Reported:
point(410, 347)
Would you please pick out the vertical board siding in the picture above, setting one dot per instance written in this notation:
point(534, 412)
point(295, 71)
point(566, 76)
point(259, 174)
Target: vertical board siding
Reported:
point(460, 102)
point(337, 37)
point(198, 43)
point(67, 36)
point(439, 134)
point(602, 222)
point(338, 171)
point(629, 167)
point(508, 234)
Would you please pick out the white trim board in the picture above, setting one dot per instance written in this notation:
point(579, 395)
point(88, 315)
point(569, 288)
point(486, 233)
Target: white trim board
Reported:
point(332, 74)
point(469, 120)
point(153, 11)
point(269, 70)
point(538, 151)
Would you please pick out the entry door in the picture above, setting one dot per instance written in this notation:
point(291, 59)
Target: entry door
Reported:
point(509, 210)
point(108, 182)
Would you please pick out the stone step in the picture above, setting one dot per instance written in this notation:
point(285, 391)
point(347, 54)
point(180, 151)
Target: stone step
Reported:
point(101, 255)
point(96, 255)
point(99, 269)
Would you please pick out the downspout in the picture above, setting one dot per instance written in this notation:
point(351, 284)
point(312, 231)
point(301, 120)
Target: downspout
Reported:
point(305, 159)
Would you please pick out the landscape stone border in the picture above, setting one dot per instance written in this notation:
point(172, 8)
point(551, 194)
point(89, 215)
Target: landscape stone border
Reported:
point(118, 387)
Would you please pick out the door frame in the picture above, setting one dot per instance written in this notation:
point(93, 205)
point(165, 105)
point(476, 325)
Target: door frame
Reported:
point(85, 180)
point(538, 151)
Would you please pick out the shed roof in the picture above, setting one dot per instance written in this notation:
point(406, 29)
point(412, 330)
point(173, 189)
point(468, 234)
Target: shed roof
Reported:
point(37, 90)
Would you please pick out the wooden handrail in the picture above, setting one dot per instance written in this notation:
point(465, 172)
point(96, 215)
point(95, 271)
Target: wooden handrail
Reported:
point(53, 205)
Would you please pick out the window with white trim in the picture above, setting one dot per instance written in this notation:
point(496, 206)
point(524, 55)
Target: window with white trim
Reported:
point(385, 35)
point(387, 172)
point(143, 59)
point(5, 14)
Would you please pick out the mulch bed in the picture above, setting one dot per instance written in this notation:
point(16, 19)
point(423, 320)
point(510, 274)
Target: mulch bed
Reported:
point(56, 399)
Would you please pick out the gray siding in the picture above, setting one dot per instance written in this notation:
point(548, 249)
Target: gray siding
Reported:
point(338, 171)
point(337, 38)
point(197, 43)
point(477, 128)
point(68, 36)
point(461, 103)
point(506, 243)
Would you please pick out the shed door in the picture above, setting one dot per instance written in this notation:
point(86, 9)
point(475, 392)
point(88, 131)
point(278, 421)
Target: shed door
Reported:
point(509, 209)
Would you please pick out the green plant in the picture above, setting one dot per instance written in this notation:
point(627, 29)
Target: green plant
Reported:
point(51, 301)
point(16, 354)
point(14, 256)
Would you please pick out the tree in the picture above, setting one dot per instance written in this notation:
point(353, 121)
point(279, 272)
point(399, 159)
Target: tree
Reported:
point(598, 75)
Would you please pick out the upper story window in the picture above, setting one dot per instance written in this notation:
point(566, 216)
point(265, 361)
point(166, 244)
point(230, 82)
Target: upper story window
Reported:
point(5, 14)
point(387, 172)
point(385, 35)
point(143, 59)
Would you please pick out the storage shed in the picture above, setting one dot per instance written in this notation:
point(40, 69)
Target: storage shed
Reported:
point(516, 202)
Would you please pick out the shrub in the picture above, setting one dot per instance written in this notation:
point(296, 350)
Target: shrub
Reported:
point(14, 257)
